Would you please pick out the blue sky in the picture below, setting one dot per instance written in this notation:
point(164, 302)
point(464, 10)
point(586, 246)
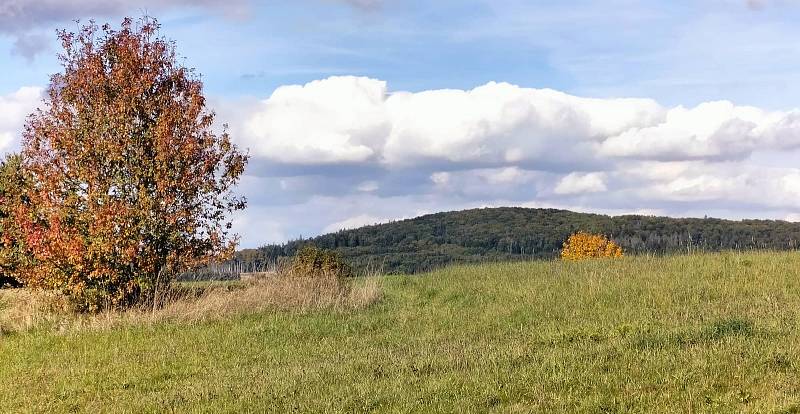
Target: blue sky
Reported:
point(405, 107)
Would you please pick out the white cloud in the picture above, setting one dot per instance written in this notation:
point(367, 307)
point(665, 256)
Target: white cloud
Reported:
point(711, 130)
point(578, 183)
point(343, 120)
point(700, 188)
point(368, 186)
point(440, 178)
point(500, 144)
point(358, 154)
point(337, 120)
point(500, 123)
point(790, 183)
point(734, 185)
point(508, 175)
point(257, 226)
point(14, 108)
point(353, 222)
point(351, 119)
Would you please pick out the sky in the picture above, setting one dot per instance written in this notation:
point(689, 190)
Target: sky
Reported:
point(363, 111)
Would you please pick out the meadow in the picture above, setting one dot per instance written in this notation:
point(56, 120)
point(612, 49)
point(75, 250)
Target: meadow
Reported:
point(699, 333)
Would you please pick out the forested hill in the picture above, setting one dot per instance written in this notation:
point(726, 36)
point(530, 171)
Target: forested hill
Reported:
point(433, 240)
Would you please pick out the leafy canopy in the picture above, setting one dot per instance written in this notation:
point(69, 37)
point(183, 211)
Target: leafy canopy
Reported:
point(14, 183)
point(133, 184)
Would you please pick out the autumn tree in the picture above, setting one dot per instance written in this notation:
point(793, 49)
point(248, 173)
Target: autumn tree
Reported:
point(133, 183)
point(14, 183)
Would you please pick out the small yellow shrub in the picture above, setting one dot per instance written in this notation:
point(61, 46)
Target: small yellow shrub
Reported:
point(311, 261)
point(586, 246)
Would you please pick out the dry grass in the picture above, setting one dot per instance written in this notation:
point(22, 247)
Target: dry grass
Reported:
point(22, 310)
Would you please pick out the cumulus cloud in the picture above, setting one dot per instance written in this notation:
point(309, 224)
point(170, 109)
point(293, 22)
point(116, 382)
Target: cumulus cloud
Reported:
point(508, 175)
point(501, 144)
point(337, 120)
point(577, 183)
point(500, 123)
point(718, 130)
point(357, 120)
point(347, 151)
point(737, 185)
point(14, 108)
point(354, 119)
point(354, 222)
point(441, 178)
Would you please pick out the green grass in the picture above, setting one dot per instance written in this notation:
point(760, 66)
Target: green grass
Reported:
point(706, 333)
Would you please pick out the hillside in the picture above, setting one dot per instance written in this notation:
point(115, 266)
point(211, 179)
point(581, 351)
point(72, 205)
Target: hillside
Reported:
point(710, 333)
point(493, 234)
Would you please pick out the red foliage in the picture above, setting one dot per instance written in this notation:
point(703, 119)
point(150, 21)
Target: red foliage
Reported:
point(132, 183)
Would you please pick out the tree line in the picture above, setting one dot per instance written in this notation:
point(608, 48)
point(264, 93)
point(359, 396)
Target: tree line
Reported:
point(498, 234)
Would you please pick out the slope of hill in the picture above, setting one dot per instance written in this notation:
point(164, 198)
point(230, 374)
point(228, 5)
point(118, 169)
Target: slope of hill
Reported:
point(511, 233)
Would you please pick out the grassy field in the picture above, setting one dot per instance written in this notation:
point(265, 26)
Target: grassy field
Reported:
point(706, 333)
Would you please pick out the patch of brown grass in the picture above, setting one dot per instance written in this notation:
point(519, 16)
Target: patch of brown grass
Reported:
point(22, 310)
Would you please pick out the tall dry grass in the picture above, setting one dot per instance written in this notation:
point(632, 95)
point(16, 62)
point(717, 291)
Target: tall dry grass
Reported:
point(22, 310)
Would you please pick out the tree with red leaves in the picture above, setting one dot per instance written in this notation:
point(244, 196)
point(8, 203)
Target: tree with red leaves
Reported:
point(14, 183)
point(132, 183)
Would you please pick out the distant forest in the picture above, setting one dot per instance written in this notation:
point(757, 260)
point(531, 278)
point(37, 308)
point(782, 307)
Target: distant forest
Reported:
point(498, 234)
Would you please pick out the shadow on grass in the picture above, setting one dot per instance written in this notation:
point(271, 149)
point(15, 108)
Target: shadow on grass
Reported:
point(711, 333)
point(724, 328)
